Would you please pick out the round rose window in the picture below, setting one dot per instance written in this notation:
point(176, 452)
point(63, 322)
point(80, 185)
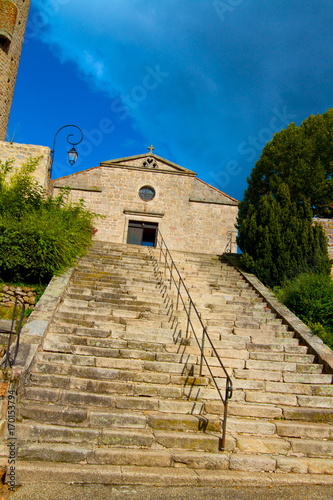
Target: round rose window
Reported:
point(147, 193)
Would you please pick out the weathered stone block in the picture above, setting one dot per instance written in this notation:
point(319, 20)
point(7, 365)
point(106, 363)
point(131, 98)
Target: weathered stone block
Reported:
point(139, 458)
point(315, 401)
point(252, 463)
point(283, 387)
point(121, 420)
point(55, 453)
point(271, 397)
point(291, 465)
point(141, 439)
point(304, 430)
point(275, 376)
point(312, 448)
point(308, 414)
point(320, 466)
point(265, 445)
point(270, 366)
point(208, 461)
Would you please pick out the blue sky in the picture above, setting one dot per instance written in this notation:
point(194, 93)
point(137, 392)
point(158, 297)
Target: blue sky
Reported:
point(206, 82)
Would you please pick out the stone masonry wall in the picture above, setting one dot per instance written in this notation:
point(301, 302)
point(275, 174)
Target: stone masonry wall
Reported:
point(26, 294)
point(196, 225)
point(13, 18)
point(328, 227)
point(22, 152)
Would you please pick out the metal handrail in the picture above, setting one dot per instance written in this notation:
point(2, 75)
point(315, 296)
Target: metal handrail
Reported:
point(15, 328)
point(189, 306)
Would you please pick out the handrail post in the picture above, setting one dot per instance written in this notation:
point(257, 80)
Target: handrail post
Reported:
point(202, 349)
point(165, 264)
point(14, 329)
point(160, 251)
point(188, 318)
point(224, 425)
point(171, 274)
point(178, 294)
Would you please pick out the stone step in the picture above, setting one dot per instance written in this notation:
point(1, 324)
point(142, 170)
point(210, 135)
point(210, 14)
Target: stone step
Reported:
point(127, 388)
point(276, 348)
point(99, 373)
point(308, 378)
point(281, 356)
point(132, 273)
point(63, 343)
point(290, 399)
point(101, 436)
point(281, 446)
point(156, 421)
point(178, 472)
point(107, 307)
point(78, 399)
point(68, 360)
point(117, 284)
point(151, 334)
point(308, 414)
point(118, 352)
point(309, 368)
point(324, 390)
point(190, 441)
point(315, 401)
point(304, 430)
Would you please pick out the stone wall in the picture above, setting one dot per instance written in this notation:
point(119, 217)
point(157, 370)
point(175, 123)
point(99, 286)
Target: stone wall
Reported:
point(13, 18)
point(328, 227)
point(25, 293)
point(22, 152)
point(191, 215)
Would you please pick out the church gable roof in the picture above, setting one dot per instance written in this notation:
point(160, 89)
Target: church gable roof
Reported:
point(205, 193)
point(147, 161)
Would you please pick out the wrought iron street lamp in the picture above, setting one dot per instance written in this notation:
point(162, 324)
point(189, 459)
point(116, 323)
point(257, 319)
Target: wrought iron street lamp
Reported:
point(72, 153)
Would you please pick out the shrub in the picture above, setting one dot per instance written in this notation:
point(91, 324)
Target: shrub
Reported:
point(325, 334)
point(310, 297)
point(39, 236)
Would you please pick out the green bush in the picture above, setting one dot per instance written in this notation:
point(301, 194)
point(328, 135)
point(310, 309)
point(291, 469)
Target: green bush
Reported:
point(310, 297)
point(39, 236)
point(325, 334)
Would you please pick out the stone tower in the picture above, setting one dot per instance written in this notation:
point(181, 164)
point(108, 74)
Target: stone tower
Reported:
point(13, 18)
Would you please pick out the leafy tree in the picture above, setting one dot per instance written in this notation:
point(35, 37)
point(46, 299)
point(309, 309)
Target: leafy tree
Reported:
point(301, 157)
point(39, 236)
point(280, 240)
point(290, 184)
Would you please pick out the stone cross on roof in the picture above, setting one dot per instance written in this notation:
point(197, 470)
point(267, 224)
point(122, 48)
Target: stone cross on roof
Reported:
point(151, 149)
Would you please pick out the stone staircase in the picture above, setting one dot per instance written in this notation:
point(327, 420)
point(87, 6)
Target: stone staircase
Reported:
point(117, 384)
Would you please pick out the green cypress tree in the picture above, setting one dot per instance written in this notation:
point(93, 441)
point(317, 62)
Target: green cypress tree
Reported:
point(280, 240)
point(291, 183)
point(302, 157)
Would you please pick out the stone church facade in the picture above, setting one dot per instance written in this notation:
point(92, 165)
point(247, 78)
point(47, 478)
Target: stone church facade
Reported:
point(141, 194)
